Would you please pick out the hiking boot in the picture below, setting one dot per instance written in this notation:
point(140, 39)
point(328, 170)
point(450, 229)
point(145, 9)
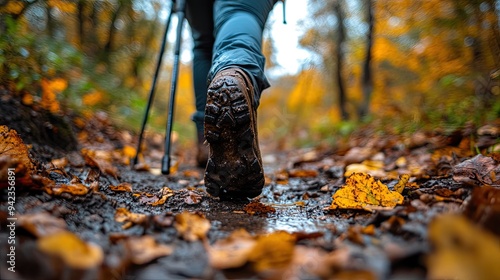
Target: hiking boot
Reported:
point(234, 168)
point(201, 150)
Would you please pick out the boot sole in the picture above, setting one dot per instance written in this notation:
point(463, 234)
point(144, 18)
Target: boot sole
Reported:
point(234, 168)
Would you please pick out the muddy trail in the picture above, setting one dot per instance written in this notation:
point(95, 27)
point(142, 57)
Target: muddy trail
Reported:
point(85, 214)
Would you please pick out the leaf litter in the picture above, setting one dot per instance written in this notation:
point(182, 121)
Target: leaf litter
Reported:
point(310, 221)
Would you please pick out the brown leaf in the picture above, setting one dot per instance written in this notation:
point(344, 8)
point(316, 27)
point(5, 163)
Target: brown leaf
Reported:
point(145, 249)
point(302, 173)
point(100, 159)
point(13, 147)
point(41, 224)
point(478, 170)
point(484, 208)
point(256, 207)
point(191, 226)
point(233, 251)
point(192, 198)
point(73, 251)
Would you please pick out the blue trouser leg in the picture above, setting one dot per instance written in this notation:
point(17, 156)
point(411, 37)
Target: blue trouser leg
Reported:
point(199, 14)
point(238, 39)
point(237, 26)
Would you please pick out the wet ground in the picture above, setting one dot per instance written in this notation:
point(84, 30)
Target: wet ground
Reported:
point(298, 205)
point(136, 218)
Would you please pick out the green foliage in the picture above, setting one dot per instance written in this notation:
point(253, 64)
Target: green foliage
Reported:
point(27, 57)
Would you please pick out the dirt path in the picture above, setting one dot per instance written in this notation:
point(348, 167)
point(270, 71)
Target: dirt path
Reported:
point(87, 215)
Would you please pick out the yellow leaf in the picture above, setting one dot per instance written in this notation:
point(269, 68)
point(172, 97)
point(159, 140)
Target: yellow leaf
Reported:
point(272, 251)
point(361, 191)
point(462, 250)
point(129, 151)
point(191, 226)
point(403, 180)
point(71, 249)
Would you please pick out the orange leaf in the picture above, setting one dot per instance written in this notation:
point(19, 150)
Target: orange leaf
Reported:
point(191, 226)
point(123, 187)
point(12, 147)
point(71, 249)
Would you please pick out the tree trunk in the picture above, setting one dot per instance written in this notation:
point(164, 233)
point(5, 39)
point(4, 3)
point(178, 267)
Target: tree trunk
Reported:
point(50, 22)
point(367, 79)
point(109, 47)
point(81, 23)
point(340, 61)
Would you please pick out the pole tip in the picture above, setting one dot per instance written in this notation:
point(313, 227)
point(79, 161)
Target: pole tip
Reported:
point(165, 165)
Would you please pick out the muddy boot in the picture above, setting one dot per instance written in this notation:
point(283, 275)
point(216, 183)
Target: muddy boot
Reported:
point(234, 168)
point(201, 150)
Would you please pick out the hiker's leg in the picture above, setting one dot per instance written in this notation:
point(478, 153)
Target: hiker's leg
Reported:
point(199, 14)
point(239, 26)
point(234, 168)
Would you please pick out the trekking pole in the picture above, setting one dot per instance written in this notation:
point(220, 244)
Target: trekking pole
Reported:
point(153, 84)
point(165, 162)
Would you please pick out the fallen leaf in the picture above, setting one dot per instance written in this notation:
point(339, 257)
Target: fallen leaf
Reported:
point(282, 177)
point(164, 220)
point(100, 159)
point(478, 170)
point(361, 191)
point(74, 189)
point(60, 162)
point(73, 251)
point(233, 251)
point(256, 207)
point(358, 154)
point(401, 184)
point(122, 215)
point(369, 229)
point(305, 261)
point(191, 173)
point(41, 224)
point(462, 250)
point(302, 173)
point(142, 166)
point(192, 198)
point(272, 251)
point(123, 187)
point(145, 249)
point(165, 193)
point(192, 226)
point(374, 168)
point(13, 147)
point(483, 208)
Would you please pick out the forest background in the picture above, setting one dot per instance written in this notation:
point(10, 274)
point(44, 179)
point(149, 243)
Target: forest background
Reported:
point(401, 66)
